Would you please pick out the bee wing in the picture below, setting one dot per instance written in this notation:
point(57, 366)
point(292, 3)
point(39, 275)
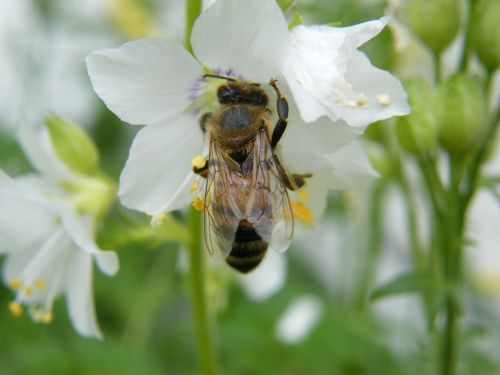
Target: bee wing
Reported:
point(268, 207)
point(222, 214)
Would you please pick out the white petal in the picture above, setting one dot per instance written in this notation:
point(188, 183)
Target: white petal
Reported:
point(267, 279)
point(79, 228)
point(248, 38)
point(144, 80)
point(299, 319)
point(79, 295)
point(157, 175)
point(350, 167)
point(46, 260)
point(363, 32)
point(23, 222)
point(376, 84)
point(304, 145)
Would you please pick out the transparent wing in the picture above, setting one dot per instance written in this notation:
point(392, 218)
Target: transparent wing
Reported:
point(222, 213)
point(268, 206)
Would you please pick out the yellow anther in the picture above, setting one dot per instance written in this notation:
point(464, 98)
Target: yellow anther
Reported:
point(198, 161)
point(194, 186)
point(27, 290)
point(303, 195)
point(384, 99)
point(198, 203)
point(362, 101)
point(302, 212)
point(39, 283)
point(15, 283)
point(46, 317)
point(15, 308)
point(158, 219)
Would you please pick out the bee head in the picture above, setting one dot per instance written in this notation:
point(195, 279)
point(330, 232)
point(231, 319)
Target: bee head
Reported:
point(241, 93)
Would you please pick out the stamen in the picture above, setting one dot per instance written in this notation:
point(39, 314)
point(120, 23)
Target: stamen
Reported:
point(384, 99)
point(39, 284)
point(15, 308)
point(198, 204)
point(301, 212)
point(198, 162)
point(303, 195)
point(195, 186)
point(15, 283)
point(158, 219)
point(28, 290)
point(46, 317)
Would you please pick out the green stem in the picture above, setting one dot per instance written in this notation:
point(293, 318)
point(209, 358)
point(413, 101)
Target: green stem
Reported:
point(452, 260)
point(437, 67)
point(464, 59)
point(197, 277)
point(193, 9)
point(374, 245)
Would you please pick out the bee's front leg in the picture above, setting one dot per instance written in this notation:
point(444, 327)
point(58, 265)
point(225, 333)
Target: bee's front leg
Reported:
point(282, 108)
point(202, 171)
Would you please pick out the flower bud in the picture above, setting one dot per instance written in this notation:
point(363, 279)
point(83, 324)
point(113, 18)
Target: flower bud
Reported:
point(434, 22)
point(417, 132)
point(72, 145)
point(486, 32)
point(461, 113)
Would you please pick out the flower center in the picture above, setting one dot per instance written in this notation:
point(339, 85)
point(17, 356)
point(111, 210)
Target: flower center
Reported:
point(299, 208)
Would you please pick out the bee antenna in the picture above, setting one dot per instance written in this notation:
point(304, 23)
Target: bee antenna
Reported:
point(219, 77)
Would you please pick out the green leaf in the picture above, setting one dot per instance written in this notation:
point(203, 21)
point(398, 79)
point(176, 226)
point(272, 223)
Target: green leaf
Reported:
point(72, 145)
point(405, 283)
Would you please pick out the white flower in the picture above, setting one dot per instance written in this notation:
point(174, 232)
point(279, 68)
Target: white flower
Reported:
point(49, 244)
point(329, 76)
point(157, 83)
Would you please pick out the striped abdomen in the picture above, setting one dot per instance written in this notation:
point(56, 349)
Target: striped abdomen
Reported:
point(248, 248)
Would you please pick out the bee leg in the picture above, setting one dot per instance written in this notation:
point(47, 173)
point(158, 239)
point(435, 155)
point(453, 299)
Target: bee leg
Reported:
point(282, 108)
point(203, 171)
point(203, 121)
point(299, 180)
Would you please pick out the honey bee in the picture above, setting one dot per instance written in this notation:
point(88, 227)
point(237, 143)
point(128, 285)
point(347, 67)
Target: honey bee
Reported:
point(246, 206)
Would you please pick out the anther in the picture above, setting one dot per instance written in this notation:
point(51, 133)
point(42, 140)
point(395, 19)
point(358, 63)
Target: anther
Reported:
point(303, 195)
point(15, 308)
point(39, 283)
point(194, 186)
point(302, 212)
point(46, 317)
point(158, 219)
point(15, 283)
point(384, 99)
point(198, 204)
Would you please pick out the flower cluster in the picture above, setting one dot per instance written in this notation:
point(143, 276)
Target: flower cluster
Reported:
point(333, 90)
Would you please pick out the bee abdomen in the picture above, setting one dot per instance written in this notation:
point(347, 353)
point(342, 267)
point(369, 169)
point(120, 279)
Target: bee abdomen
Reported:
point(248, 249)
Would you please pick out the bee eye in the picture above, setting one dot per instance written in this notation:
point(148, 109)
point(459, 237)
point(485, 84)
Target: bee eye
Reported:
point(224, 93)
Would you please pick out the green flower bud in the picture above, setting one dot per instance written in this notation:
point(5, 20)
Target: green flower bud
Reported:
point(417, 132)
point(486, 32)
point(461, 113)
point(72, 145)
point(434, 22)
